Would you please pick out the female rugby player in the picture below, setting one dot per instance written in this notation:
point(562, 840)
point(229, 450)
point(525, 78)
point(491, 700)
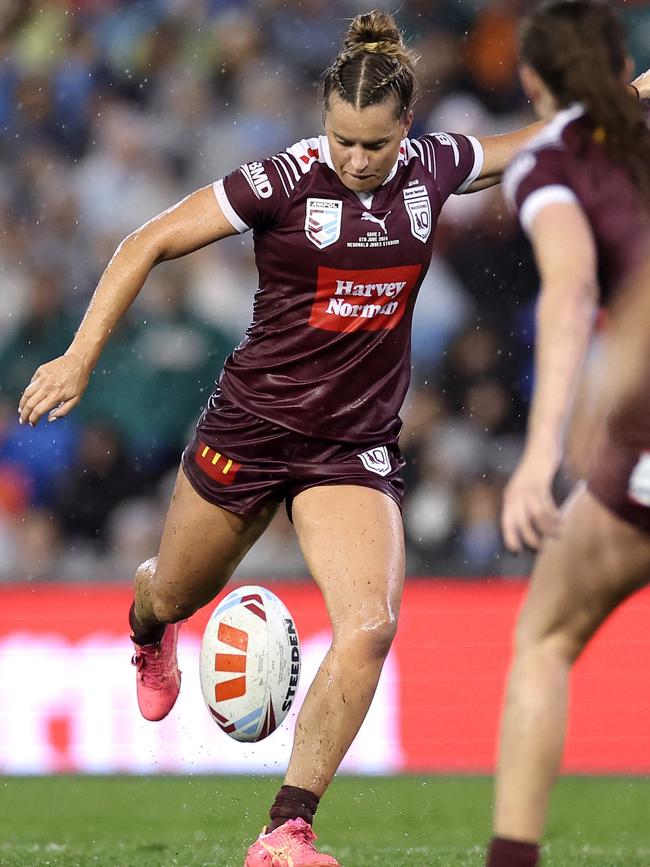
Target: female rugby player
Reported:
point(306, 408)
point(582, 190)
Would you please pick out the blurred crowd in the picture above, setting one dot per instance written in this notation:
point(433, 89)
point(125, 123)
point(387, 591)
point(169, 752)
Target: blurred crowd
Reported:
point(112, 110)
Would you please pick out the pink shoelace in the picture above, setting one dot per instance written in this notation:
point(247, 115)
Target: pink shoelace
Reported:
point(150, 666)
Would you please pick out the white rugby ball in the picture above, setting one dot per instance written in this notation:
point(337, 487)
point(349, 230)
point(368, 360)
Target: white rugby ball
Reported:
point(250, 663)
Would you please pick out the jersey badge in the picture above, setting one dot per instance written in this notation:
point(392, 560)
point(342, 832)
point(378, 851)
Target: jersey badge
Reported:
point(418, 206)
point(376, 460)
point(323, 221)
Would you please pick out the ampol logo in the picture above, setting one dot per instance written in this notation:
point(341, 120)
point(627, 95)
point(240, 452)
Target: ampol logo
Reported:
point(368, 300)
point(323, 221)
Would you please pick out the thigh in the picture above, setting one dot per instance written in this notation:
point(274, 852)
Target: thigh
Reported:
point(353, 543)
point(202, 544)
point(581, 576)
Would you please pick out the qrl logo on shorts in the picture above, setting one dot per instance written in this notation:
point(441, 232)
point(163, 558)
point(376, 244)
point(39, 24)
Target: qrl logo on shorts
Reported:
point(218, 467)
point(369, 300)
point(376, 460)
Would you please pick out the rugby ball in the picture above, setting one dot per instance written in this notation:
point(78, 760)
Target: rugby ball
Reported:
point(250, 663)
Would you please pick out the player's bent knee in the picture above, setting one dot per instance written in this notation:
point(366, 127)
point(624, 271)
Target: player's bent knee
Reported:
point(369, 641)
point(559, 643)
point(171, 608)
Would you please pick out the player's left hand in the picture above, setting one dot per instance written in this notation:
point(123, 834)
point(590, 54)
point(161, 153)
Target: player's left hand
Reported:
point(529, 512)
point(55, 389)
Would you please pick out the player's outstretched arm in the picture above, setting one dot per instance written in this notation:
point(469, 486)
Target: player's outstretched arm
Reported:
point(58, 386)
point(498, 153)
point(500, 150)
point(566, 258)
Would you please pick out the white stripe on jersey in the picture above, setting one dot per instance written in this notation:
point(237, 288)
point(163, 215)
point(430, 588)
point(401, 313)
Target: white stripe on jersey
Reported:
point(526, 160)
point(419, 150)
point(286, 159)
point(284, 175)
point(552, 132)
point(477, 147)
point(431, 155)
point(229, 212)
point(550, 195)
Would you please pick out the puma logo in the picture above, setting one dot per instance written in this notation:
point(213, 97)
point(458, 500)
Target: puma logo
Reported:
point(380, 221)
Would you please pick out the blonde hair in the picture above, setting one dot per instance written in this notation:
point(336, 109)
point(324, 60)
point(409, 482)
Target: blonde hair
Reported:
point(373, 65)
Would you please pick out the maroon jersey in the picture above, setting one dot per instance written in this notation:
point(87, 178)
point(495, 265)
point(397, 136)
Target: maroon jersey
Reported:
point(328, 350)
point(565, 164)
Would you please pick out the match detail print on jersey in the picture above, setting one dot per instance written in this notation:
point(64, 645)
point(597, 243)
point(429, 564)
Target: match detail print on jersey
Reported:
point(323, 221)
point(376, 460)
point(218, 467)
point(362, 300)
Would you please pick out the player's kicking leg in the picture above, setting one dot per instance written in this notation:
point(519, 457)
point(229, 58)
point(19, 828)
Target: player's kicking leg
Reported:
point(353, 543)
point(200, 548)
point(577, 582)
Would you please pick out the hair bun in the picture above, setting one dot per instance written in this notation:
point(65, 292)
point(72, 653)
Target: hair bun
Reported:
point(376, 32)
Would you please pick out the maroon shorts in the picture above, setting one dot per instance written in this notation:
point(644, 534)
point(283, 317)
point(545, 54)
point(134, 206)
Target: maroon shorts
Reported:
point(620, 480)
point(241, 462)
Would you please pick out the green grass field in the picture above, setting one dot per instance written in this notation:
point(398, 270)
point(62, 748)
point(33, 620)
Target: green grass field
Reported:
point(415, 821)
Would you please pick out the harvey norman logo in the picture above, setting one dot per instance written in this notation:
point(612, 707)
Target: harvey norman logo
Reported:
point(368, 300)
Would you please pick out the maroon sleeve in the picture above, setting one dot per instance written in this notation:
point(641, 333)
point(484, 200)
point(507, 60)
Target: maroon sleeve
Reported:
point(535, 179)
point(455, 160)
point(252, 197)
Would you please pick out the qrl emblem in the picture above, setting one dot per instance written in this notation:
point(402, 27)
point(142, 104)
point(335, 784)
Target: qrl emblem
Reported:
point(418, 207)
point(376, 460)
point(323, 221)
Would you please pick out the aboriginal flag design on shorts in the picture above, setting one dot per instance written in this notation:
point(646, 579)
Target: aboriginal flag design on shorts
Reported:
point(218, 467)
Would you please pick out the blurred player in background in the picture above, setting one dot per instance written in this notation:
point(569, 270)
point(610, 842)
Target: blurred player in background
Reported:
point(582, 190)
point(307, 408)
point(627, 359)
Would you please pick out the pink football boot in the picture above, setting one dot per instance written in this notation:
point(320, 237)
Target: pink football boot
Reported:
point(158, 680)
point(290, 845)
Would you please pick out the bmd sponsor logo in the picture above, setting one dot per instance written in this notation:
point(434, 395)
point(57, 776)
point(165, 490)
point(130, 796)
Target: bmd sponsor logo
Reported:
point(257, 180)
point(368, 300)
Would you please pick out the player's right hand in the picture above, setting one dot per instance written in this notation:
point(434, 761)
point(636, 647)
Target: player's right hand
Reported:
point(55, 389)
point(529, 512)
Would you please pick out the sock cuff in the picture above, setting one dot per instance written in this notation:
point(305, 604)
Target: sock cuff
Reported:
point(505, 852)
point(292, 802)
point(139, 634)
